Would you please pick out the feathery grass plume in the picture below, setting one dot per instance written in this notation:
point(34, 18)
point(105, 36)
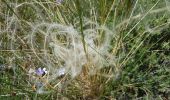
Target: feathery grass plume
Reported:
point(71, 51)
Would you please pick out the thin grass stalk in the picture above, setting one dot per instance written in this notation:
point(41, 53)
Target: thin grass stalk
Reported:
point(80, 14)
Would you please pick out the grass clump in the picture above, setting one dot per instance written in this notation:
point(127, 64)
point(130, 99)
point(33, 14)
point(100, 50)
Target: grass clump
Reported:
point(82, 49)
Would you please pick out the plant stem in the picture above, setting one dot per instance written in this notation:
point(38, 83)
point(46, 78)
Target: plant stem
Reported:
point(80, 14)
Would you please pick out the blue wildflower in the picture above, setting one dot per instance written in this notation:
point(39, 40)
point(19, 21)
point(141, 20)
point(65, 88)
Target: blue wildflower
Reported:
point(41, 72)
point(59, 1)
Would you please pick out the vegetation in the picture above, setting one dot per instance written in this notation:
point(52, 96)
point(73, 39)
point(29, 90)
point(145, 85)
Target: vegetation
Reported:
point(84, 49)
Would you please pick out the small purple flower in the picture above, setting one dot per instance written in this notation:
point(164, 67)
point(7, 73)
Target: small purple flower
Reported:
point(41, 72)
point(59, 1)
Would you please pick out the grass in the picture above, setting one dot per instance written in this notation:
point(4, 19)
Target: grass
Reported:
point(107, 49)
